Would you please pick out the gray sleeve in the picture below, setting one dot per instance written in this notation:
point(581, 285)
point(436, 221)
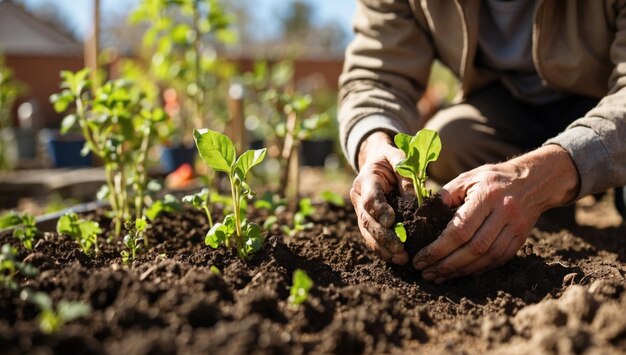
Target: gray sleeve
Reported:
point(363, 128)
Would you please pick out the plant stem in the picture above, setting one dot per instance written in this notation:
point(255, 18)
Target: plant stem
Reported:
point(418, 192)
point(235, 197)
point(208, 214)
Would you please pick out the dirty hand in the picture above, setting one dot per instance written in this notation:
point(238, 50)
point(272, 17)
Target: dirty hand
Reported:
point(377, 157)
point(498, 206)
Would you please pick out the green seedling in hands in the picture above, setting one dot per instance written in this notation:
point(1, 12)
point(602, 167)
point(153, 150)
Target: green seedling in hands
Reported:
point(201, 201)
point(420, 150)
point(84, 232)
point(302, 284)
point(168, 204)
point(305, 210)
point(52, 320)
point(133, 239)
point(400, 231)
point(10, 267)
point(218, 152)
point(25, 229)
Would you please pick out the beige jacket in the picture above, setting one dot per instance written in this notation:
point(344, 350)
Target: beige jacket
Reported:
point(579, 46)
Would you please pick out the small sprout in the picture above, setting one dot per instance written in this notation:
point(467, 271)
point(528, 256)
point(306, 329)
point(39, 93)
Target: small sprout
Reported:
point(333, 198)
point(133, 239)
point(420, 150)
point(215, 270)
point(302, 284)
point(270, 201)
point(25, 228)
point(305, 210)
point(52, 320)
point(270, 221)
point(218, 152)
point(84, 232)
point(168, 204)
point(10, 267)
point(201, 201)
point(400, 231)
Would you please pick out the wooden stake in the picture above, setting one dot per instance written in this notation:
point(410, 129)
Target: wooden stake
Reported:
point(92, 45)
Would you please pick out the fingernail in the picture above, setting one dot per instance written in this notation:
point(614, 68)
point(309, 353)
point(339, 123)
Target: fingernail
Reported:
point(440, 280)
point(429, 276)
point(420, 265)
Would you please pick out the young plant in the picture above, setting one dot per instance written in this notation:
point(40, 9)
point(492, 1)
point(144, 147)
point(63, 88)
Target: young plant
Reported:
point(84, 232)
point(52, 319)
point(420, 150)
point(201, 201)
point(25, 229)
point(10, 267)
point(167, 204)
point(333, 198)
point(305, 210)
point(133, 239)
point(218, 152)
point(302, 284)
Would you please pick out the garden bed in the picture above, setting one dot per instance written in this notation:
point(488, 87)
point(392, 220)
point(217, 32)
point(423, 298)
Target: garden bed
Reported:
point(169, 301)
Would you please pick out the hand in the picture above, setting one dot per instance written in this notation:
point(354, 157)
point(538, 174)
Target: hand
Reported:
point(377, 157)
point(499, 205)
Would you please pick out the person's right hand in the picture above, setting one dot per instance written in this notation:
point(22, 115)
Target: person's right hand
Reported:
point(377, 157)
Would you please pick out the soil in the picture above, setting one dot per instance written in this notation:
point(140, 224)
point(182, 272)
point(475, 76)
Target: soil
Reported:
point(424, 224)
point(563, 293)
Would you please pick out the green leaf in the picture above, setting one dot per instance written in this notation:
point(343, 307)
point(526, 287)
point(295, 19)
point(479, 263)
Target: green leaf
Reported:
point(270, 222)
point(68, 311)
point(68, 224)
point(253, 239)
point(400, 231)
point(302, 284)
point(403, 141)
point(68, 122)
point(248, 160)
point(306, 207)
point(168, 204)
point(215, 270)
point(62, 100)
point(140, 225)
point(10, 219)
point(333, 198)
point(216, 236)
point(428, 143)
point(89, 228)
point(216, 149)
point(409, 167)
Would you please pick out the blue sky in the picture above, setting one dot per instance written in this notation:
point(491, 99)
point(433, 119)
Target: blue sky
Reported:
point(78, 11)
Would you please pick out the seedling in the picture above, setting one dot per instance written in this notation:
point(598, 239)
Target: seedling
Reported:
point(400, 231)
point(218, 152)
point(305, 210)
point(25, 229)
point(420, 150)
point(302, 284)
point(10, 267)
point(333, 198)
point(52, 320)
point(84, 232)
point(133, 239)
point(168, 204)
point(201, 201)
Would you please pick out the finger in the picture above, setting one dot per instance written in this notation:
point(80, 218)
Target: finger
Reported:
point(464, 224)
point(454, 192)
point(394, 156)
point(517, 242)
point(400, 257)
point(384, 236)
point(475, 249)
point(493, 255)
point(375, 203)
point(371, 243)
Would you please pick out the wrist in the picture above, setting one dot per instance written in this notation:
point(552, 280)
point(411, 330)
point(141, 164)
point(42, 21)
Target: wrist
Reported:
point(372, 143)
point(554, 174)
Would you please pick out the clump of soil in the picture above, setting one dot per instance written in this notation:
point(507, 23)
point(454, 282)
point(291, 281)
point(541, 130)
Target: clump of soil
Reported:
point(424, 224)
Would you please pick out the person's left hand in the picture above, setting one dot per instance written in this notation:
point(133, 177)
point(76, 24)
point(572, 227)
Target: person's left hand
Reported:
point(497, 207)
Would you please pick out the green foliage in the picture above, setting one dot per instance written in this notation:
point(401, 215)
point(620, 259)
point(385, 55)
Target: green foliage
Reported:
point(10, 89)
point(302, 284)
point(52, 319)
point(305, 209)
point(333, 198)
point(25, 229)
point(168, 204)
point(218, 152)
point(10, 267)
point(215, 270)
point(201, 201)
point(119, 127)
point(179, 45)
point(84, 232)
point(420, 150)
point(400, 232)
point(133, 239)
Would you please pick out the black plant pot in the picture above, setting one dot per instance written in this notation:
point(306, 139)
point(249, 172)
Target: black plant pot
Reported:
point(64, 150)
point(173, 157)
point(315, 152)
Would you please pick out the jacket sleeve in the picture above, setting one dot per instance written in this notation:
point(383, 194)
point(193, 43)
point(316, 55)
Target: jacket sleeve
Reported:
point(597, 142)
point(386, 70)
